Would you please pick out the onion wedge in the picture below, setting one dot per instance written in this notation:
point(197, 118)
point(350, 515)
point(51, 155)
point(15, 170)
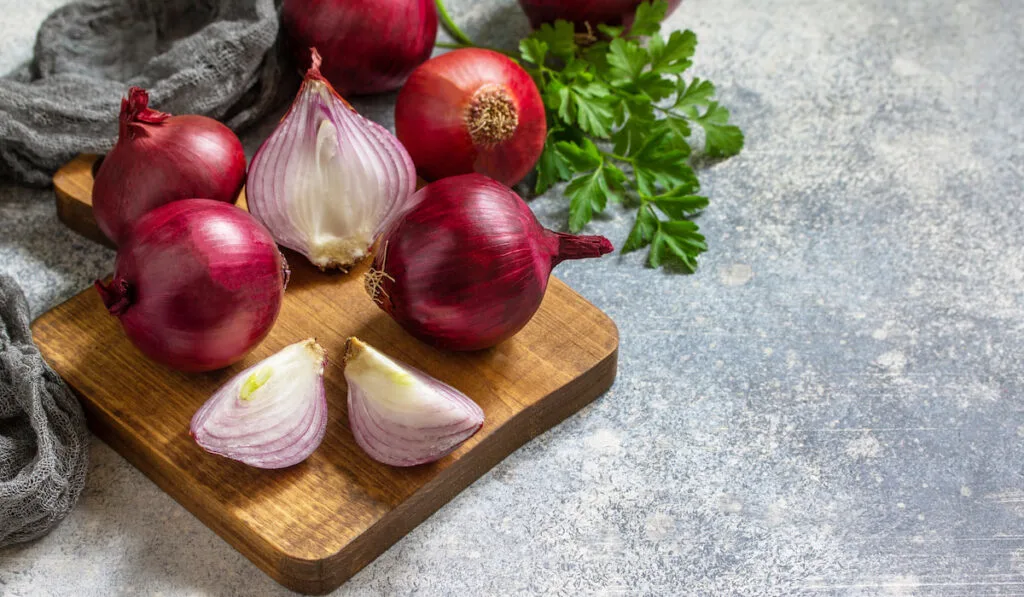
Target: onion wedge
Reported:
point(273, 414)
point(401, 416)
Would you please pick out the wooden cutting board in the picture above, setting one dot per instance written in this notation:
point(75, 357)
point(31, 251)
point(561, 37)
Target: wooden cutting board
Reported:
point(314, 525)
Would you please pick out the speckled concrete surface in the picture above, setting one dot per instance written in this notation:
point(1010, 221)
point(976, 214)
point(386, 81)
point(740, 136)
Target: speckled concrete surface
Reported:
point(833, 405)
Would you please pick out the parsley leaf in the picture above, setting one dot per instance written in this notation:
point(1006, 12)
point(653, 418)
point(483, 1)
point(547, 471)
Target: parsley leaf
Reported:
point(585, 197)
point(697, 93)
point(678, 205)
point(589, 193)
point(581, 157)
point(673, 57)
point(648, 18)
point(659, 164)
point(560, 38)
point(553, 167)
point(627, 60)
point(643, 232)
point(720, 138)
point(679, 240)
point(592, 110)
point(654, 86)
point(533, 50)
point(629, 138)
point(681, 130)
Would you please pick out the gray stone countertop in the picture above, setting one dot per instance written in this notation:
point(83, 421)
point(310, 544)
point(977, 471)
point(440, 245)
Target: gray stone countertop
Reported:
point(833, 404)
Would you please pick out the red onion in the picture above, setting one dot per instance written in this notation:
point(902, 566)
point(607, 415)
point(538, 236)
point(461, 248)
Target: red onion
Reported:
point(328, 181)
point(273, 414)
point(468, 266)
point(471, 110)
point(401, 416)
point(197, 284)
point(161, 158)
point(369, 46)
point(594, 12)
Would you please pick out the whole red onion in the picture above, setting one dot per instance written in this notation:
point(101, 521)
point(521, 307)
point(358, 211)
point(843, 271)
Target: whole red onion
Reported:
point(368, 46)
point(161, 158)
point(471, 110)
point(197, 284)
point(468, 266)
point(594, 12)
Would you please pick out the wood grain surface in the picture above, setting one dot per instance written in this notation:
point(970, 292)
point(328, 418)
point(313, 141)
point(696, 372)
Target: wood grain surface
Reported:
point(314, 525)
point(72, 185)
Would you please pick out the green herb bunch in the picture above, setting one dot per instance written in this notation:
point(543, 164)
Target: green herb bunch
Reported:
point(620, 118)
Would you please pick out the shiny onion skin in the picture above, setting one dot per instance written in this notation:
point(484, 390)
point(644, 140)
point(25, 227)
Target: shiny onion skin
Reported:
point(161, 158)
point(468, 266)
point(594, 12)
point(197, 284)
point(471, 110)
point(369, 46)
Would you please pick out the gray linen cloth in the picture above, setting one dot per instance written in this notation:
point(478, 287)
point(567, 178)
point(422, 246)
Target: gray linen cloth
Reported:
point(43, 443)
point(218, 58)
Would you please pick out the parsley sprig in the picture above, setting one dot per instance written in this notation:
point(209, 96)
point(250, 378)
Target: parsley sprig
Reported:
point(621, 117)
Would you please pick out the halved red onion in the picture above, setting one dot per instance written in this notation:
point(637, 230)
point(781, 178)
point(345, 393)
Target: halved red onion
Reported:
point(328, 181)
point(273, 414)
point(401, 416)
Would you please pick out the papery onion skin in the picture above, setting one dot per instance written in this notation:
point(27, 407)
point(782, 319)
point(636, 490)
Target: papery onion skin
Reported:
point(468, 266)
point(471, 110)
point(197, 284)
point(328, 181)
point(369, 46)
point(399, 429)
point(161, 158)
point(593, 12)
point(263, 430)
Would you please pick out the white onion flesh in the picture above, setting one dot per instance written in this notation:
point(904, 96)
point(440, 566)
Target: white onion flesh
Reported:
point(273, 414)
point(328, 181)
point(401, 416)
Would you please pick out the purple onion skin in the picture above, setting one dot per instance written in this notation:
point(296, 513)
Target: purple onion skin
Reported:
point(368, 46)
point(197, 284)
point(468, 266)
point(608, 12)
point(161, 158)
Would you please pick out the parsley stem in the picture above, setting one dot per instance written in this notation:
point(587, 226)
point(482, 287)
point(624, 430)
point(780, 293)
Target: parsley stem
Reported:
point(618, 157)
point(545, 71)
point(463, 40)
point(450, 26)
point(667, 112)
